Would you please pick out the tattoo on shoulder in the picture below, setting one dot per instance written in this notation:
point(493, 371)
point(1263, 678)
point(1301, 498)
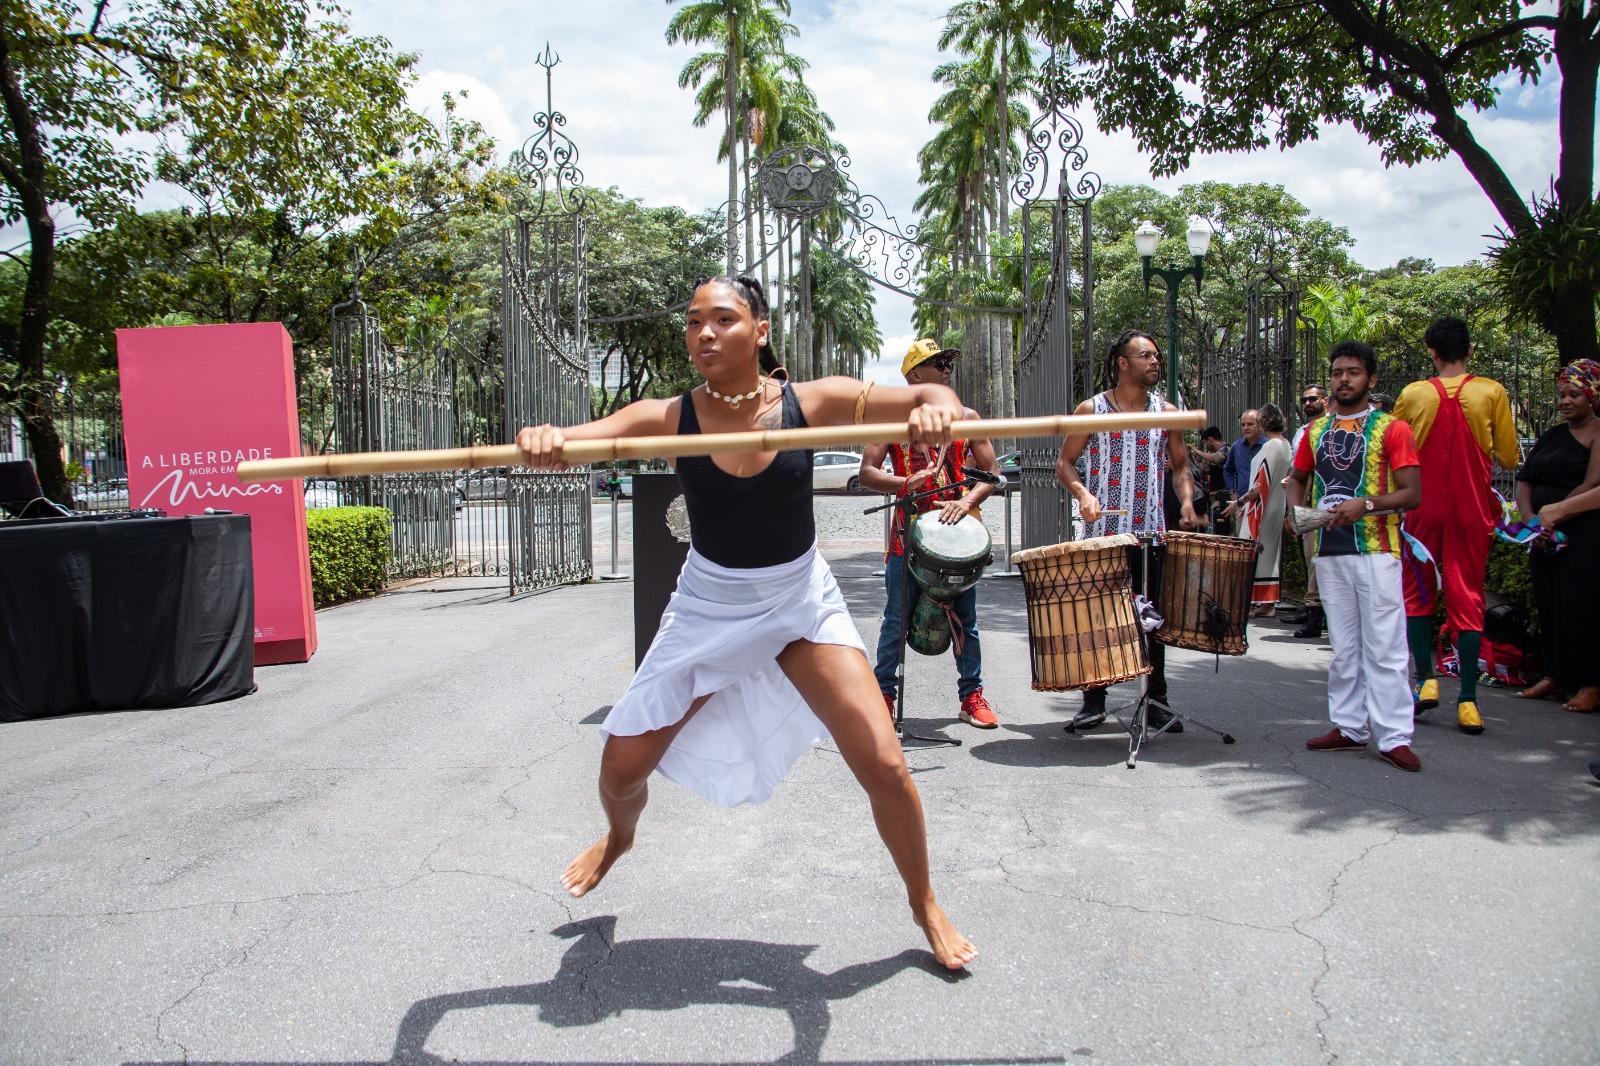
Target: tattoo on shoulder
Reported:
point(772, 419)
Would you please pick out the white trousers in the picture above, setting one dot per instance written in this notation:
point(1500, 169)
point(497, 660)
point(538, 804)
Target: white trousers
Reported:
point(1369, 681)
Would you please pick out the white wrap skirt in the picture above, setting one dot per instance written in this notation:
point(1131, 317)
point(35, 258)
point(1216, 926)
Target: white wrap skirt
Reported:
point(721, 634)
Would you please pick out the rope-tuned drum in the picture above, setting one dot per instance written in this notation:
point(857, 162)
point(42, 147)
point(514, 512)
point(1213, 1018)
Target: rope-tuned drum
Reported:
point(1205, 592)
point(1082, 628)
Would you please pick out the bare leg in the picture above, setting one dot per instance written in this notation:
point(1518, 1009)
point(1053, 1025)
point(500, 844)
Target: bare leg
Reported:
point(625, 768)
point(838, 685)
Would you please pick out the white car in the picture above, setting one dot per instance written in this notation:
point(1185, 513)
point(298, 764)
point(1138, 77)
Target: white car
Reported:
point(836, 471)
point(321, 493)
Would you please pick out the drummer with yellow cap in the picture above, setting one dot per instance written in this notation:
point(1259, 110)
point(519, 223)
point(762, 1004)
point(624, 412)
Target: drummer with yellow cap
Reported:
point(916, 468)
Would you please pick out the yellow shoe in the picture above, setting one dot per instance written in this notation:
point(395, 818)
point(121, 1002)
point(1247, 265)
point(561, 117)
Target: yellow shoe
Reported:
point(1467, 717)
point(1426, 697)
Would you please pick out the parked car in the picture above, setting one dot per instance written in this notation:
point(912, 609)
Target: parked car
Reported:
point(321, 493)
point(108, 495)
point(482, 485)
point(1011, 467)
point(835, 471)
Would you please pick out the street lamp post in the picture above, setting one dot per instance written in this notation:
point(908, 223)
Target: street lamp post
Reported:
point(1146, 238)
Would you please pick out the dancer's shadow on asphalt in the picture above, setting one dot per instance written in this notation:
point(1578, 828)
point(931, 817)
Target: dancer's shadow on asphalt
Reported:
point(600, 977)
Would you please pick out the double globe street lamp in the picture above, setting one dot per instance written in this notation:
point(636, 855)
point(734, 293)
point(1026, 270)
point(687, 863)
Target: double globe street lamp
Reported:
point(1146, 239)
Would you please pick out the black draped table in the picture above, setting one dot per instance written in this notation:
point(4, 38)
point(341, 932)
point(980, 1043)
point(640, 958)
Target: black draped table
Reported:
point(124, 614)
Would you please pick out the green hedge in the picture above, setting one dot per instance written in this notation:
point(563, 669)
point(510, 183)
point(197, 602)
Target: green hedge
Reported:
point(349, 552)
point(1509, 577)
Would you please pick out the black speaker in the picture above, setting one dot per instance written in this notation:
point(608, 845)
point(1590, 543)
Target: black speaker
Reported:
point(658, 555)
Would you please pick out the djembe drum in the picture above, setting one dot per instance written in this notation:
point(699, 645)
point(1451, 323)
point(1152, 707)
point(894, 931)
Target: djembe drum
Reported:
point(1205, 592)
point(1082, 630)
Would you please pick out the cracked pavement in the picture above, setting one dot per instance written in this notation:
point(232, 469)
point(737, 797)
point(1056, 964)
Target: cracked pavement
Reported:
point(359, 863)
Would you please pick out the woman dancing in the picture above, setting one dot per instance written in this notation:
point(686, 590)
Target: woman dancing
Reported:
point(756, 659)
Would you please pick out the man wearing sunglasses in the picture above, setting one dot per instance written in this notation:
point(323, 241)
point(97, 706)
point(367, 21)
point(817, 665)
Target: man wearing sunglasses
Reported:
point(1126, 471)
point(916, 468)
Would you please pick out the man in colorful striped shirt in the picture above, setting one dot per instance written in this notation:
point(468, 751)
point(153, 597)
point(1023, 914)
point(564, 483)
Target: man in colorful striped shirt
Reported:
point(1362, 465)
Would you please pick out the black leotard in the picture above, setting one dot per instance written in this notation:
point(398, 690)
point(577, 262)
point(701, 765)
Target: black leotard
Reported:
point(747, 522)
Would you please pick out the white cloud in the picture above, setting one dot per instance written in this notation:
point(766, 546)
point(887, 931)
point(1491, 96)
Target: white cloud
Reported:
point(871, 66)
point(481, 104)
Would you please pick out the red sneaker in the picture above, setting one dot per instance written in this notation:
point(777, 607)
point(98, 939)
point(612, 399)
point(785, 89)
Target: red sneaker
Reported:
point(888, 698)
point(975, 710)
point(1401, 757)
point(1334, 740)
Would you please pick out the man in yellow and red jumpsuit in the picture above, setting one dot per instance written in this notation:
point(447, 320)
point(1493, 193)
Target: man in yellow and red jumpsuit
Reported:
point(1459, 420)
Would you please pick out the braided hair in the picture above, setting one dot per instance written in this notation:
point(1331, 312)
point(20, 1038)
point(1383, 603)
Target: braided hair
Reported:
point(1108, 372)
point(754, 296)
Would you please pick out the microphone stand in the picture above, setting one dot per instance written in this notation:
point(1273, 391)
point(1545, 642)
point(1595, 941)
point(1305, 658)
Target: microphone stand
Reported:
point(974, 475)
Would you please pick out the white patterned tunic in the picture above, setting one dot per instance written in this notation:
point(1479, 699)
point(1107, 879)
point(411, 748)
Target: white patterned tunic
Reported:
point(1126, 470)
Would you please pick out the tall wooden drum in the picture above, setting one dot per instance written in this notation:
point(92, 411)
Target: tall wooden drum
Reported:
point(1082, 632)
point(1205, 592)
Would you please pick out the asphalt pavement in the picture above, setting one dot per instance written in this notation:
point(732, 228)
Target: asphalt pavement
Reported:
point(358, 864)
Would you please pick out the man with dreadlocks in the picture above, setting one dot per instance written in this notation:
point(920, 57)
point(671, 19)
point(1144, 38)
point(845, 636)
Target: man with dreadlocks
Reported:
point(1125, 471)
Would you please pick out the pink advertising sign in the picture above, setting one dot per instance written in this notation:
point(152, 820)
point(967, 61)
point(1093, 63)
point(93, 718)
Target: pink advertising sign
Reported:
point(197, 401)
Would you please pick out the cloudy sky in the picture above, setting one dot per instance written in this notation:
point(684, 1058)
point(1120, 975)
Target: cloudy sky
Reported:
point(871, 62)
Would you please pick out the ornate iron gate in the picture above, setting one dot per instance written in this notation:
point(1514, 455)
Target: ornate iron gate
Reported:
point(383, 400)
point(405, 398)
point(544, 307)
point(1058, 339)
point(1270, 363)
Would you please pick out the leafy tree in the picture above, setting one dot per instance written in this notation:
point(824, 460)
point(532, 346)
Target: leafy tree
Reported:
point(1186, 76)
point(235, 89)
point(1402, 303)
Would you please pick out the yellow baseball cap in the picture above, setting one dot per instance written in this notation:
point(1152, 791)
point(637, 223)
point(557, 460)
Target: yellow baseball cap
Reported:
point(922, 351)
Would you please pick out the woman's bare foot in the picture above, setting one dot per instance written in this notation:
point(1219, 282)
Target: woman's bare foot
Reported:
point(1586, 701)
point(584, 872)
point(952, 949)
point(1544, 688)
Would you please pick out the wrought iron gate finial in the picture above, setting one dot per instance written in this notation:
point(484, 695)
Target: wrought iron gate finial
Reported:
point(550, 157)
point(1058, 126)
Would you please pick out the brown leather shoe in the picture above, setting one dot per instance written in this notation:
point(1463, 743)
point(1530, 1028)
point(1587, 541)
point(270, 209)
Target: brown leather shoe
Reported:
point(1401, 757)
point(1334, 740)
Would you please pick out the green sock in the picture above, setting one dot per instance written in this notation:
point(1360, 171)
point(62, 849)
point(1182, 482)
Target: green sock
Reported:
point(1467, 648)
point(1419, 635)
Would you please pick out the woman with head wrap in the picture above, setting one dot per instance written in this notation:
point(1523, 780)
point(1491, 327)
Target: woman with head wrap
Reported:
point(1560, 484)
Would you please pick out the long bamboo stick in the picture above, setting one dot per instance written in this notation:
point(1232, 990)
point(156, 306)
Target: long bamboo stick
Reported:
point(578, 452)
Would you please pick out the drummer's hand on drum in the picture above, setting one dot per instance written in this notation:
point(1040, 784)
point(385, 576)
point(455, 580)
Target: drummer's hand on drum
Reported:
point(930, 423)
point(954, 511)
point(1187, 518)
point(542, 446)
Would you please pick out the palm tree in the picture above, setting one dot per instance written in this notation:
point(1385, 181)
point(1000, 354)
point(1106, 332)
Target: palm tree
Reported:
point(962, 208)
point(994, 33)
point(745, 29)
point(1340, 314)
point(799, 120)
point(844, 326)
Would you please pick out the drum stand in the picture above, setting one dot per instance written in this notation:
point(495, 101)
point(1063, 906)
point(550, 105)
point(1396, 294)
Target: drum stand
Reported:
point(906, 600)
point(1139, 728)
